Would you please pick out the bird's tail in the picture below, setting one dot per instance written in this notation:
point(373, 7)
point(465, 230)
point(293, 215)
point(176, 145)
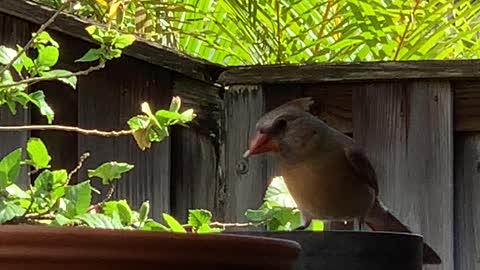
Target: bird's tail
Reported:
point(380, 219)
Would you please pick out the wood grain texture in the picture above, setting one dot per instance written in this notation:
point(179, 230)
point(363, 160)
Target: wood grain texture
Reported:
point(347, 72)
point(467, 201)
point(13, 32)
point(107, 100)
point(142, 49)
point(246, 180)
point(333, 103)
point(194, 173)
point(407, 131)
point(196, 182)
point(467, 105)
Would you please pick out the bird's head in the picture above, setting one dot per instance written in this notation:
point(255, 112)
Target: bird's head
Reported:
point(279, 127)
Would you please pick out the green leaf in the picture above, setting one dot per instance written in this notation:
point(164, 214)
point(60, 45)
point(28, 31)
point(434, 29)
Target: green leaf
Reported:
point(78, 198)
point(199, 217)
point(60, 178)
point(17, 192)
point(115, 53)
point(123, 41)
point(144, 210)
point(10, 168)
point(175, 104)
point(44, 183)
point(9, 210)
point(285, 219)
point(6, 55)
point(187, 116)
point(99, 221)
point(38, 98)
point(278, 192)
point(138, 122)
point(121, 208)
point(174, 225)
point(62, 220)
point(91, 29)
point(27, 63)
point(316, 225)
point(110, 171)
point(258, 215)
point(45, 39)
point(71, 80)
point(151, 225)
point(47, 56)
point(163, 116)
point(38, 153)
point(91, 55)
point(205, 228)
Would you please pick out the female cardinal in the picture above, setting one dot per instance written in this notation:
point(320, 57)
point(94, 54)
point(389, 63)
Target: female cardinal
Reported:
point(327, 174)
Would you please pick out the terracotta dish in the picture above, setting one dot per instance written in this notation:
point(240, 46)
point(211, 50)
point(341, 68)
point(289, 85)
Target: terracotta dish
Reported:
point(55, 248)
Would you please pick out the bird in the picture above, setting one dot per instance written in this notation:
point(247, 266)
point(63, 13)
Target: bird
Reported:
point(326, 172)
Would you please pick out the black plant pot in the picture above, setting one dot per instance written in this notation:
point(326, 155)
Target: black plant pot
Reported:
point(351, 250)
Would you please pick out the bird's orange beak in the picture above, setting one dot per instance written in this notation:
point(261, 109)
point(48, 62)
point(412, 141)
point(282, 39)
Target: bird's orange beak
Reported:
point(261, 143)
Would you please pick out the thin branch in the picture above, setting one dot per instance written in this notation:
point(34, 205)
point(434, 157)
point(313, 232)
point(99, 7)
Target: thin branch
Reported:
point(35, 216)
point(79, 166)
point(322, 27)
point(88, 132)
point(109, 195)
point(228, 225)
point(407, 27)
point(30, 42)
point(34, 80)
point(75, 170)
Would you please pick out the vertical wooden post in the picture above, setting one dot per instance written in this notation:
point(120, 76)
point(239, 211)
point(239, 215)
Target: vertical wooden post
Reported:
point(246, 180)
point(196, 182)
point(407, 131)
point(467, 201)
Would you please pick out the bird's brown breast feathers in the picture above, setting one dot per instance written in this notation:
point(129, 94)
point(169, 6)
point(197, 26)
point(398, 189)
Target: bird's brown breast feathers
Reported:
point(326, 187)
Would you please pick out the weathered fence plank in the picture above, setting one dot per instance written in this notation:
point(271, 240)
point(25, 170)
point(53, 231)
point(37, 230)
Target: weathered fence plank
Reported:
point(407, 131)
point(196, 181)
point(13, 32)
point(351, 72)
point(194, 173)
point(467, 109)
point(107, 101)
point(333, 104)
point(246, 180)
point(467, 201)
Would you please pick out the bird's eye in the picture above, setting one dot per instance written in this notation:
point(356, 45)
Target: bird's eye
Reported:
point(279, 124)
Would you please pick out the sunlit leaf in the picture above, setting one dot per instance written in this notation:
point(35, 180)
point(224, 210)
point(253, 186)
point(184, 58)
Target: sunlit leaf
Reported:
point(174, 225)
point(38, 153)
point(110, 171)
point(10, 168)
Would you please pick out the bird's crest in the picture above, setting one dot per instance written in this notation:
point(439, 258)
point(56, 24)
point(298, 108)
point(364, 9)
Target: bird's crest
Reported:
point(300, 103)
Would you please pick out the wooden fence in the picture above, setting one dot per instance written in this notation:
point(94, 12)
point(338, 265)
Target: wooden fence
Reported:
point(419, 122)
point(106, 99)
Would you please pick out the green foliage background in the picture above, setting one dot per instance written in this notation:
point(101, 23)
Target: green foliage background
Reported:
point(239, 32)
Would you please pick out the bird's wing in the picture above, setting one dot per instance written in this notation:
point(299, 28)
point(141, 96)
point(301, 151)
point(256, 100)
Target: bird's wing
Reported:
point(362, 166)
